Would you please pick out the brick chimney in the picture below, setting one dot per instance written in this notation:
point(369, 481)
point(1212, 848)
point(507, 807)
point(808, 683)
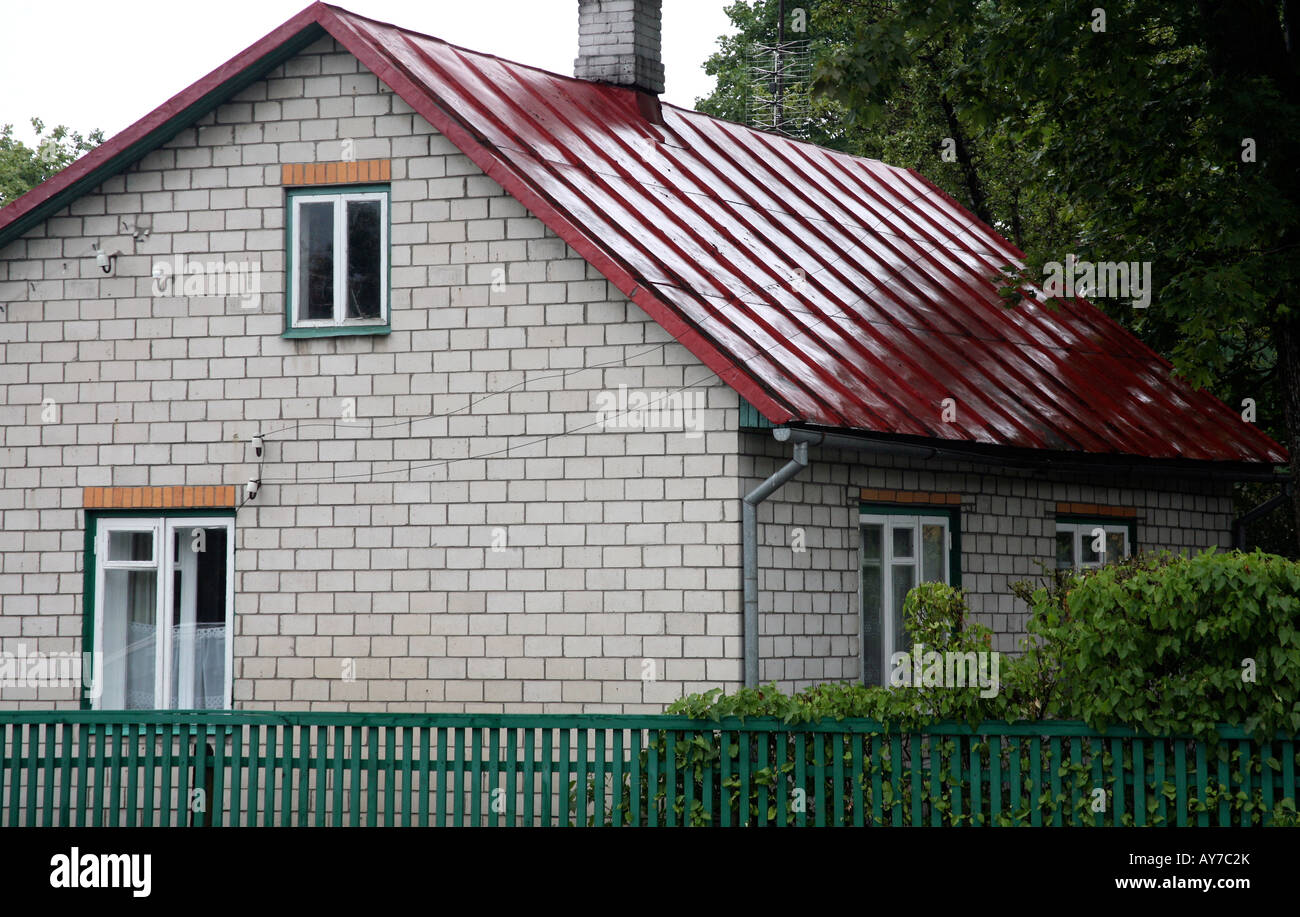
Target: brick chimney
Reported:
point(618, 42)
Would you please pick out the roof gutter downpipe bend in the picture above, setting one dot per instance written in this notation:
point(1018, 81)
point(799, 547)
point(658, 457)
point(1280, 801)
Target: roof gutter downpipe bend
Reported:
point(749, 552)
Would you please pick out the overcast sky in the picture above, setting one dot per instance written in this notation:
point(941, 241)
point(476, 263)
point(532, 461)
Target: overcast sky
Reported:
point(108, 63)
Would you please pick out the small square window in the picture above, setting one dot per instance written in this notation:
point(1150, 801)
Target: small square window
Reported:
point(1088, 543)
point(338, 262)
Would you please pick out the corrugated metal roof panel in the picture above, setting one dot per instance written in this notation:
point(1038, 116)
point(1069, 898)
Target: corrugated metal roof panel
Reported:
point(826, 288)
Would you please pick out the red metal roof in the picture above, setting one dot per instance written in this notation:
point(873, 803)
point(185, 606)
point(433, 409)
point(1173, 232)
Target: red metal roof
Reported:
point(827, 289)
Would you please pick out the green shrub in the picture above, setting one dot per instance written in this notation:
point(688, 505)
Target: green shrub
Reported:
point(1165, 644)
point(1168, 645)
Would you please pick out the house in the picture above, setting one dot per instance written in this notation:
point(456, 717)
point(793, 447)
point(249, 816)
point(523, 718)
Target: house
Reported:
point(374, 373)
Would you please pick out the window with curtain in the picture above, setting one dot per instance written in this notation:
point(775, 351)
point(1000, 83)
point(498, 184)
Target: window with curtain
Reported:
point(164, 606)
point(897, 552)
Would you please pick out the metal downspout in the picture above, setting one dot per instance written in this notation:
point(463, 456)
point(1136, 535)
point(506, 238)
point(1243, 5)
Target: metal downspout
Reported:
point(749, 553)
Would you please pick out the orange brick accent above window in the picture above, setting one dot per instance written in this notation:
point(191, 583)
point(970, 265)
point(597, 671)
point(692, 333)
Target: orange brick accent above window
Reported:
point(336, 173)
point(222, 496)
point(919, 497)
point(1093, 509)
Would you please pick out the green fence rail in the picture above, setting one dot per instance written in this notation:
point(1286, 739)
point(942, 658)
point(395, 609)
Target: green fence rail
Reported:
point(106, 768)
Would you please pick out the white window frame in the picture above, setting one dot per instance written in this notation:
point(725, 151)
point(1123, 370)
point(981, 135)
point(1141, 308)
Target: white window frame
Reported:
point(164, 562)
point(890, 521)
point(1085, 531)
point(340, 202)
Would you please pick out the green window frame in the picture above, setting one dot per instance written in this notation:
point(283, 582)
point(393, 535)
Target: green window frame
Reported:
point(1074, 539)
point(338, 322)
point(91, 574)
point(888, 565)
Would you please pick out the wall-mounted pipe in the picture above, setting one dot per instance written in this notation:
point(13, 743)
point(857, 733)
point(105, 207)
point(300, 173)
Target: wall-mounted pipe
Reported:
point(749, 553)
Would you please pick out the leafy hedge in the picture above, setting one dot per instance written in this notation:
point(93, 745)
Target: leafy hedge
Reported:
point(1166, 644)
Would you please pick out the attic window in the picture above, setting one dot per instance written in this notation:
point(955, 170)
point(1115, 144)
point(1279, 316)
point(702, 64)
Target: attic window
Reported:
point(337, 261)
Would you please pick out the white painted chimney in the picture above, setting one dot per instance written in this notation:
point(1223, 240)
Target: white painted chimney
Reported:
point(619, 43)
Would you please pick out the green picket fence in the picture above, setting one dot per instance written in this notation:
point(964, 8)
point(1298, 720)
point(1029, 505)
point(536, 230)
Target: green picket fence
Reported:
point(95, 768)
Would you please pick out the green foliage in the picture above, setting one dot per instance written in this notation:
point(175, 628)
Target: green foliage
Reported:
point(1172, 645)
point(23, 168)
point(1157, 643)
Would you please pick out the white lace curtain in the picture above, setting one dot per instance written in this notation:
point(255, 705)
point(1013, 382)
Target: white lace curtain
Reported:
point(204, 643)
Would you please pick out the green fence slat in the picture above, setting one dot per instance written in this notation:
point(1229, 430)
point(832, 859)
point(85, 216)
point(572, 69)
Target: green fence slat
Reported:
point(724, 779)
point(458, 782)
point(322, 805)
point(237, 776)
point(837, 775)
point(995, 780)
point(706, 790)
point(6, 778)
point(1202, 786)
point(494, 777)
point(896, 779)
point(338, 747)
point(688, 783)
point(51, 747)
point(408, 765)
point(670, 779)
point(859, 780)
point(425, 789)
point(374, 738)
point(1057, 764)
point(1036, 782)
point(634, 796)
point(1288, 763)
point(742, 811)
point(150, 764)
point(566, 759)
point(476, 778)
point(1266, 783)
point(271, 769)
point(800, 778)
point(1076, 774)
point(303, 818)
point(101, 778)
point(1139, 782)
point(617, 797)
point(546, 777)
point(760, 765)
point(936, 783)
point(217, 804)
point(1243, 758)
point(199, 819)
point(67, 738)
point(580, 783)
point(1095, 756)
point(1120, 790)
point(512, 772)
point(183, 779)
point(1013, 757)
point(529, 771)
point(442, 778)
point(84, 733)
point(876, 791)
point(1180, 782)
point(976, 784)
point(1158, 780)
point(33, 770)
point(917, 798)
point(955, 763)
point(354, 774)
point(1225, 788)
point(390, 775)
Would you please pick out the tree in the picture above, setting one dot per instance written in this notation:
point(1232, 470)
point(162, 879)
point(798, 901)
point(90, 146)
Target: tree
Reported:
point(23, 168)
